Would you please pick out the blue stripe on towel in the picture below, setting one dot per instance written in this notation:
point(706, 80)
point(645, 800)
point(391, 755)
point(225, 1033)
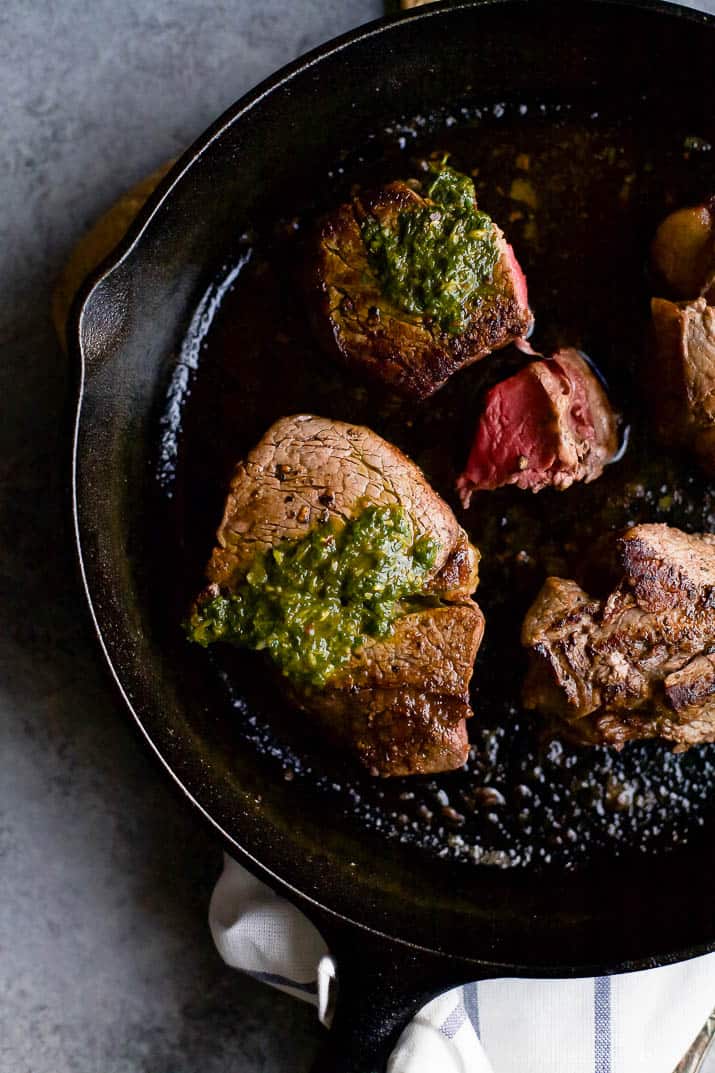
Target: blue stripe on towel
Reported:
point(471, 1004)
point(602, 1024)
point(454, 1022)
point(283, 981)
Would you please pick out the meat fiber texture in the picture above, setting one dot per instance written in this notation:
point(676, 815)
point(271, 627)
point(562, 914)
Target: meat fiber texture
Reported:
point(359, 327)
point(401, 702)
point(639, 664)
point(549, 425)
point(683, 391)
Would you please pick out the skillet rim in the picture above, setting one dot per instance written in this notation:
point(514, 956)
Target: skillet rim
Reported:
point(183, 164)
point(177, 173)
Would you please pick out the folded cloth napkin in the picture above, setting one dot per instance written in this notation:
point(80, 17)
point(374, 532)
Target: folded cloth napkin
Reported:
point(642, 1022)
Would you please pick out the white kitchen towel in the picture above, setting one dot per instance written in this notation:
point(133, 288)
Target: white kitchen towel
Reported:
point(642, 1022)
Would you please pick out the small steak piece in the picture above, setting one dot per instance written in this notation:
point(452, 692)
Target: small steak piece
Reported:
point(639, 664)
point(683, 252)
point(400, 701)
point(668, 570)
point(547, 426)
point(419, 322)
point(682, 392)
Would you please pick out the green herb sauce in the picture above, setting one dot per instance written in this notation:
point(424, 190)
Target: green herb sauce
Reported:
point(440, 257)
point(310, 603)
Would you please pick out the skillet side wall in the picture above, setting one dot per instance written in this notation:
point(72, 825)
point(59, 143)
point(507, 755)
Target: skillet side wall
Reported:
point(131, 327)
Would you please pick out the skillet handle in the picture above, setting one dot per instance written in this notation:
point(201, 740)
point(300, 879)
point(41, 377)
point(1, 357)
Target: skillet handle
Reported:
point(381, 986)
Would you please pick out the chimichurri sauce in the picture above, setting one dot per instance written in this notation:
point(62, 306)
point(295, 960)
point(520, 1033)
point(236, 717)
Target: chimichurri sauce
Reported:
point(440, 257)
point(309, 603)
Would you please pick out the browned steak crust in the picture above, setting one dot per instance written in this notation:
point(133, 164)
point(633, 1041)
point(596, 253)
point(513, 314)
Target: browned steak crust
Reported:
point(400, 703)
point(359, 327)
point(639, 664)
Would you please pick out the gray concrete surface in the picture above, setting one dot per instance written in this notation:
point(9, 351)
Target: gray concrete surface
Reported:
point(105, 961)
point(106, 964)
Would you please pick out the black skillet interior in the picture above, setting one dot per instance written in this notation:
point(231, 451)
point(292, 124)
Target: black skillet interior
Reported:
point(467, 78)
point(580, 185)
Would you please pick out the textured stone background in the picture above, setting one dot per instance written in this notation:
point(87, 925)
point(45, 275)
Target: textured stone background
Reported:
point(106, 965)
point(105, 961)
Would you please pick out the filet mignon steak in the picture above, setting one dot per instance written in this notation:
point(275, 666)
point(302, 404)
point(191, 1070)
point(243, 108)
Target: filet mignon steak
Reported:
point(547, 426)
point(359, 325)
point(400, 702)
point(639, 664)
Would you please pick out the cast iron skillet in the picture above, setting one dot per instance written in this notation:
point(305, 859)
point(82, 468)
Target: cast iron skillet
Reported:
point(402, 925)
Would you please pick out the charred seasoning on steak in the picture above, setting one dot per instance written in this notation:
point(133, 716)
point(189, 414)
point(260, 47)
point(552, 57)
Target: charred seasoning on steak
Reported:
point(638, 664)
point(581, 190)
point(410, 281)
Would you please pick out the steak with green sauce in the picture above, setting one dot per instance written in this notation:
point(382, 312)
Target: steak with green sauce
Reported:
point(336, 557)
point(411, 282)
point(639, 664)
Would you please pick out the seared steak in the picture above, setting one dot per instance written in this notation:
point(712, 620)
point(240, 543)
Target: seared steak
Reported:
point(547, 426)
point(411, 351)
point(667, 569)
point(683, 390)
point(639, 664)
point(400, 702)
point(683, 252)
